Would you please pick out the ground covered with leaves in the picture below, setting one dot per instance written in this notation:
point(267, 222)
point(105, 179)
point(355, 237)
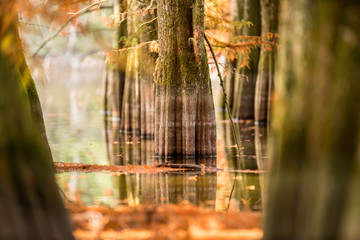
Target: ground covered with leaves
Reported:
point(162, 222)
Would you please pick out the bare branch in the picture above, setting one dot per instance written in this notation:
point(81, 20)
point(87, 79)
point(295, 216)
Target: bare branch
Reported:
point(85, 9)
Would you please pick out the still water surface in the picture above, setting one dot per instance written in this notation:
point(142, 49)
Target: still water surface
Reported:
point(72, 102)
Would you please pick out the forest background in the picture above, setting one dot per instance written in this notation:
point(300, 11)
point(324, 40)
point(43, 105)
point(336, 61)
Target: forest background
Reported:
point(315, 123)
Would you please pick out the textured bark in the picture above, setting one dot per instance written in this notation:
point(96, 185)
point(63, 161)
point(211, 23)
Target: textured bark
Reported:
point(265, 77)
point(130, 122)
point(147, 61)
point(184, 108)
point(244, 103)
point(30, 205)
point(315, 163)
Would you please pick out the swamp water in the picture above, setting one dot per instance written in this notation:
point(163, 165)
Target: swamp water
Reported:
point(72, 101)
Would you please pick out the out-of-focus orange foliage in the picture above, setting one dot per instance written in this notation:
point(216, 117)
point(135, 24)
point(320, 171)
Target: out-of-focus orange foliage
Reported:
point(183, 221)
point(49, 9)
point(222, 31)
point(154, 46)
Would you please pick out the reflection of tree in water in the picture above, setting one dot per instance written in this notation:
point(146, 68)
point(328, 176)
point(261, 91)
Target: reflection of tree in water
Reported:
point(262, 155)
point(124, 149)
point(246, 188)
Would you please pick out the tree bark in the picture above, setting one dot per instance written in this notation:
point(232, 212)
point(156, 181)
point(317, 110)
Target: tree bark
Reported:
point(315, 160)
point(184, 108)
point(116, 73)
point(30, 205)
point(147, 61)
point(265, 77)
point(243, 107)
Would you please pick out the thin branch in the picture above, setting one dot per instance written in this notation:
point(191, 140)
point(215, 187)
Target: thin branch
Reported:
point(228, 110)
point(150, 21)
point(66, 23)
point(224, 92)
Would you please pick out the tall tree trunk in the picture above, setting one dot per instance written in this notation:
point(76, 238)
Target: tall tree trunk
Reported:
point(184, 108)
point(116, 73)
point(243, 107)
point(131, 108)
point(237, 14)
point(147, 61)
point(265, 77)
point(315, 163)
point(30, 205)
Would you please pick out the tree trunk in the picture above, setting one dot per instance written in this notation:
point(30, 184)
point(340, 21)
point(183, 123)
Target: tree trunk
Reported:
point(31, 92)
point(184, 108)
point(30, 205)
point(265, 77)
point(147, 61)
point(116, 73)
point(237, 14)
point(243, 108)
point(315, 162)
point(131, 108)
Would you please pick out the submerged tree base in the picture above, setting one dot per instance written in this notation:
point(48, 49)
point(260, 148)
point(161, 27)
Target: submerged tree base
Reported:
point(208, 161)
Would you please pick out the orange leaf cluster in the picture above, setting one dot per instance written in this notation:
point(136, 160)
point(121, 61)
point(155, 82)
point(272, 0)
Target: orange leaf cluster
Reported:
point(183, 221)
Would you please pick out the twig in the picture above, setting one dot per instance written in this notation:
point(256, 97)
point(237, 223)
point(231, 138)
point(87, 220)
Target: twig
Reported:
point(85, 9)
point(224, 92)
point(228, 110)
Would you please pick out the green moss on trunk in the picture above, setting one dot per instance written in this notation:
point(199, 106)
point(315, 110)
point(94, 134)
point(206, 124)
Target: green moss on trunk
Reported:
point(184, 108)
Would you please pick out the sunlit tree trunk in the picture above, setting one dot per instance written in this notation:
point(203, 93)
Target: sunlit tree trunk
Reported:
point(147, 61)
point(184, 108)
point(314, 173)
point(138, 109)
point(243, 107)
point(116, 72)
point(265, 77)
point(130, 123)
point(30, 205)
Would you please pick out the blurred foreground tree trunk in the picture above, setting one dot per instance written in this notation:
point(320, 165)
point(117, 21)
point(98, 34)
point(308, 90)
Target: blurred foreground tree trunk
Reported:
point(315, 166)
point(184, 107)
point(243, 106)
point(29, 85)
point(265, 75)
point(30, 205)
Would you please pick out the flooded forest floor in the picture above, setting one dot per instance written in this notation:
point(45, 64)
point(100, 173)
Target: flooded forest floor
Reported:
point(113, 187)
point(170, 221)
